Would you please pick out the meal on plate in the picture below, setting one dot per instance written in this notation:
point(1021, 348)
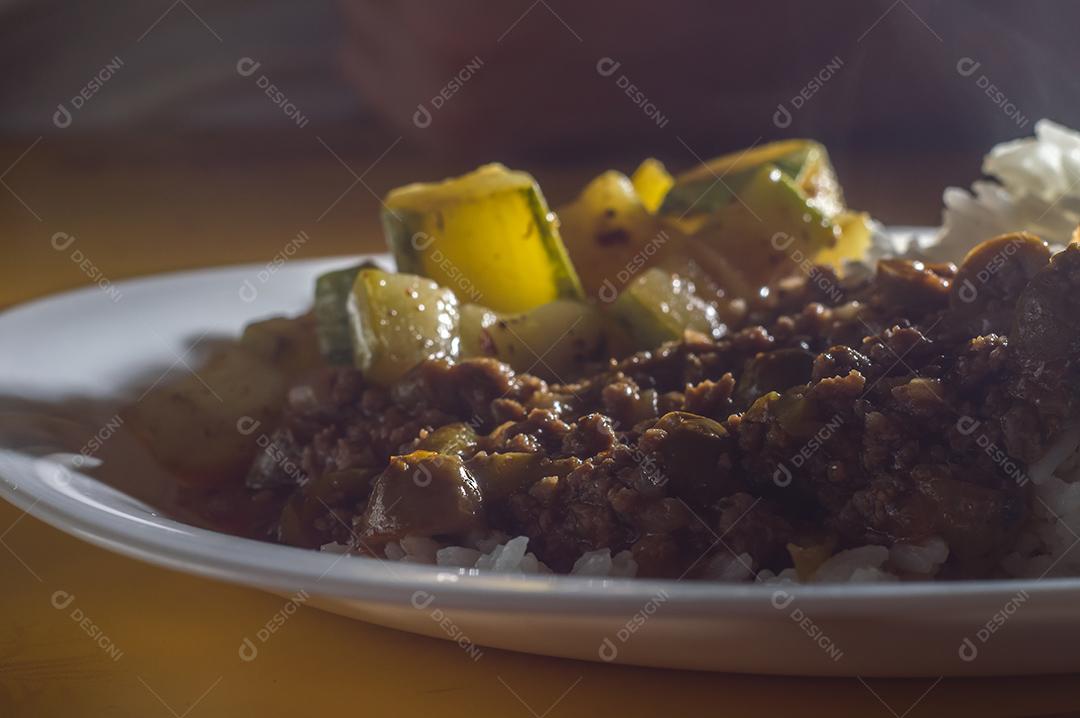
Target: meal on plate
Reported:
point(725, 374)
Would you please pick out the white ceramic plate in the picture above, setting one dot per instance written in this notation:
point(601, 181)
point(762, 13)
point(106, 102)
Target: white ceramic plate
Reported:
point(86, 344)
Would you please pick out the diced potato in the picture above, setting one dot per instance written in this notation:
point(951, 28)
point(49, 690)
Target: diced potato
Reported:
point(290, 345)
point(660, 306)
point(610, 235)
point(204, 426)
point(651, 183)
point(398, 321)
point(552, 341)
point(487, 235)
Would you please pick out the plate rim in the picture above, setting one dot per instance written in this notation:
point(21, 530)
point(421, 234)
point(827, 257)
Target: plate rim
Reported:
point(233, 559)
point(285, 568)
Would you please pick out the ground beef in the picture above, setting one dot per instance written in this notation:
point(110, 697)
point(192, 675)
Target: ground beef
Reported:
point(878, 413)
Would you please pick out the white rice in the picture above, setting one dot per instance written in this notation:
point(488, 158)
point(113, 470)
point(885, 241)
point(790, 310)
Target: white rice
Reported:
point(865, 564)
point(492, 553)
point(856, 565)
point(505, 558)
point(601, 563)
point(1034, 189)
point(859, 565)
point(788, 575)
point(922, 560)
point(458, 556)
point(726, 566)
point(593, 563)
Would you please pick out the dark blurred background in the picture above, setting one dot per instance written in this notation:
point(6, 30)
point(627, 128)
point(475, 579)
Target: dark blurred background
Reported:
point(180, 133)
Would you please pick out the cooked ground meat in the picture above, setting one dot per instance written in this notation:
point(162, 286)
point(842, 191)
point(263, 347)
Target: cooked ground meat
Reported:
point(860, 415)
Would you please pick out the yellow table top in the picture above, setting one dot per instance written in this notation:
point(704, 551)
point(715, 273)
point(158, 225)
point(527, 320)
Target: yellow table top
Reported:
point(132, 640)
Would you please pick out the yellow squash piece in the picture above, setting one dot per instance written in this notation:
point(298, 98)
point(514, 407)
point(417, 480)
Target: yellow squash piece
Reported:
point(853, 242)
point(611, 235)
point(487, 235)
point(652, 182)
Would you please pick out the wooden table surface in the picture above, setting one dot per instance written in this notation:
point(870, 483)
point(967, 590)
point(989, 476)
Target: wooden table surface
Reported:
point(144, 205)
